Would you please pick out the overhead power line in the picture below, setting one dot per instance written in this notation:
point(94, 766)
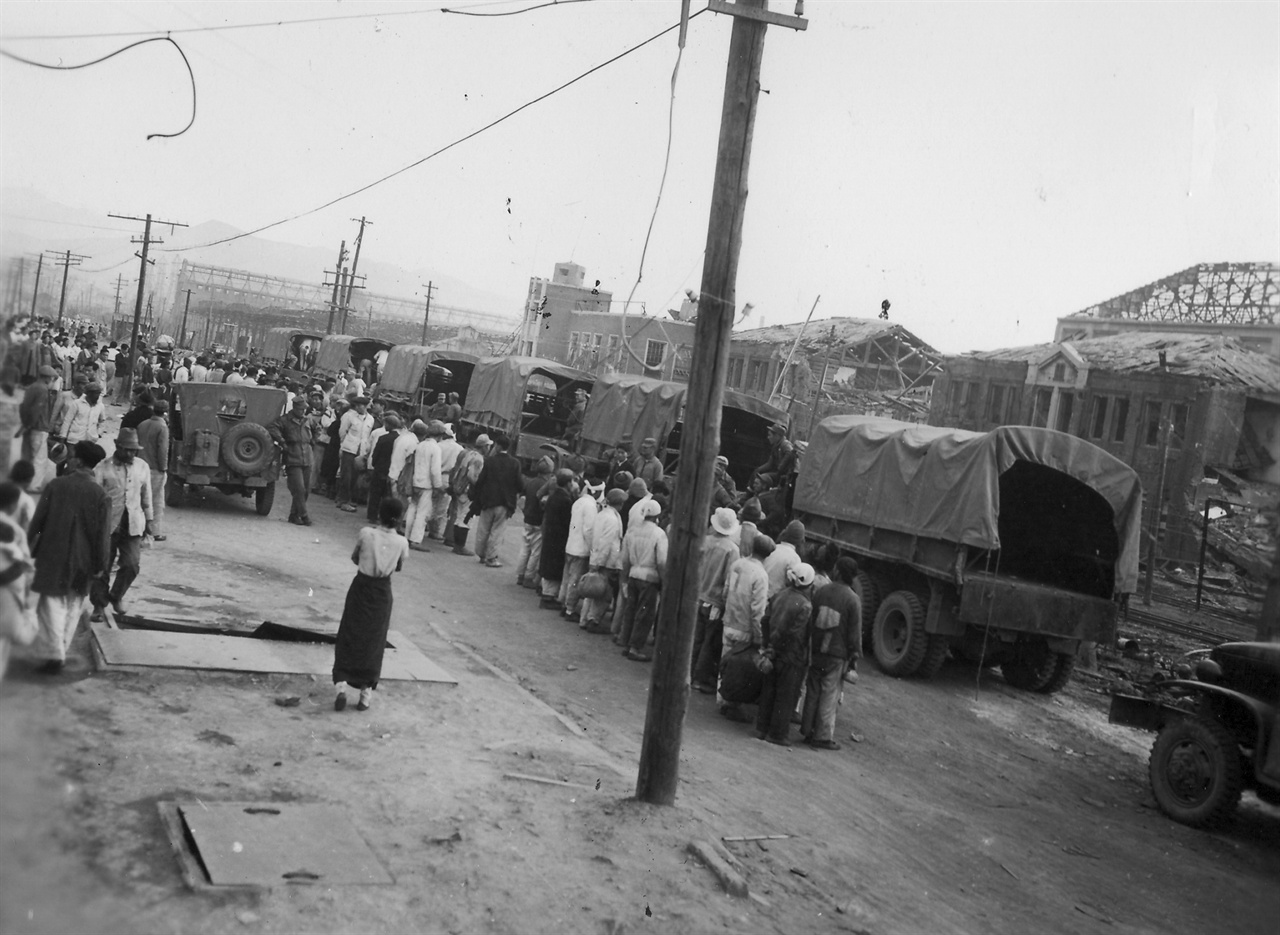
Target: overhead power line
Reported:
point(223, 27)
point(98, 61)
point(448, 146)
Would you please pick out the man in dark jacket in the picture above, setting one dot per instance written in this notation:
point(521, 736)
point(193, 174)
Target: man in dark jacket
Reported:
point(788, 649)
point(293, 435)
point(557, 514)
point(536, 489)
point(493, 500)
point(70, 540)
point(141, 412)
point(36, 413)
point(380, 464)
point(836, 646)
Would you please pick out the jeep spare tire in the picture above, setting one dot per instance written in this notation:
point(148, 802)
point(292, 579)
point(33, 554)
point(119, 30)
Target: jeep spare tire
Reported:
point(247, 448)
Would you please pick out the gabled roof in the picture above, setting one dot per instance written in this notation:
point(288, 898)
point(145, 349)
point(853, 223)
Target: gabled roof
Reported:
point(1215, 358)
point(833, 332)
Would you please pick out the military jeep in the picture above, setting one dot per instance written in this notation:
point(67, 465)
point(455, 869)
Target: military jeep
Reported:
point(218, 438)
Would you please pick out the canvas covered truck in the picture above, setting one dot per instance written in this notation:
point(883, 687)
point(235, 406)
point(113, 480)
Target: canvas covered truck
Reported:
point(415, 374)
point(528, 399)
point(626, 409)
point(1010, 547)
point(363, 356)
point(291, 350)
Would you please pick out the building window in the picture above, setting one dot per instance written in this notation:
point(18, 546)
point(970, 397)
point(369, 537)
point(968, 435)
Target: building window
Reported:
point(735, 372)
point(960, 390)
point(1066, 404)
point(1120, 420)
point(1040, 410)
point(1059, 372)
point(1178, 424)
point(995, 403)
point(599, 340)
point(753, 375)
point(573, 343)
point(654, 352)
point(1099, 417)
point(1151, 423)
point(684, 359)
point(765, 383)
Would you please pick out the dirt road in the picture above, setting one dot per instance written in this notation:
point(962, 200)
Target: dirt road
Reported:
point(961, 811)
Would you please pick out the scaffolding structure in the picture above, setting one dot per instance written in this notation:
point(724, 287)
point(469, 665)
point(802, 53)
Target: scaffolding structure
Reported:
point(1210, 293)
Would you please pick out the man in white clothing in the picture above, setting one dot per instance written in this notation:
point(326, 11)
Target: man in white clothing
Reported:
point(606, 558)
point(82, 419)
point(450, 451)
point(577, 550)
point(426, 479)
point(353, 440)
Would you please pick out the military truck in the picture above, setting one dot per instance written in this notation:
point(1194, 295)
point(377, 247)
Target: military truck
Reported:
point(218, 438)
point(1219, 733)
point(346, 352)
point(528, 399)
point(291, 350)
point(1010, 547)
point(415, 374)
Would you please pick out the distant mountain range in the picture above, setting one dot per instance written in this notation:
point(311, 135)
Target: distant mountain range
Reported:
point(31, 222)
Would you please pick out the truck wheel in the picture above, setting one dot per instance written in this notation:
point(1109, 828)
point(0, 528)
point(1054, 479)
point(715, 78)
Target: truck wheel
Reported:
point(264, 498)
point(1063, 665)
point(868, 590)
point(1196, 771)
point(173, 492)
point(935, 655)
point(1030, 665)
point(247, 448)
point(900, 640)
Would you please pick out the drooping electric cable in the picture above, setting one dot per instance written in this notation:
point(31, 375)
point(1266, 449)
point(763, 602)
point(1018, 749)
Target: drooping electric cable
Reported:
point(448, 146)
point(131, 45)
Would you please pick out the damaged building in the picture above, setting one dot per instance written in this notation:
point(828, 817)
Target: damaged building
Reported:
point(1179, 408)
point(865, 366)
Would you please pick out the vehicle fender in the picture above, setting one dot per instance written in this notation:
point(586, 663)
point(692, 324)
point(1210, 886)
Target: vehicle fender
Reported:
point(943, 616)
point(1261, 715)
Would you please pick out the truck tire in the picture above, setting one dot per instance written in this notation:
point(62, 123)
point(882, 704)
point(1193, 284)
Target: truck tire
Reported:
point(247, 448)
point(264, 498)
point(900, 640)
point(867, 587)
point(173, 492)
point(1196, 771)
point(935, 655)
point(1063, 665)
point(1030, 665)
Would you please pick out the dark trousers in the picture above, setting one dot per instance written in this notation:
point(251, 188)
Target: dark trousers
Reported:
point(707, 643)
point(129, 551)
point(778, 700)
point(639, 613)
point(347, 479)
point(298, 476)
point(378, 488)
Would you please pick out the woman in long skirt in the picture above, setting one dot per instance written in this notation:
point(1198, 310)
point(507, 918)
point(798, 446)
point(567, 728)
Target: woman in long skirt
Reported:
point(362, 634)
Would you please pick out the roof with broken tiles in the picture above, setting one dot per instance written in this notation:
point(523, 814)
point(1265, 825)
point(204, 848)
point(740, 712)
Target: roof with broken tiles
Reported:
point(831, 332)
point(1216, 358)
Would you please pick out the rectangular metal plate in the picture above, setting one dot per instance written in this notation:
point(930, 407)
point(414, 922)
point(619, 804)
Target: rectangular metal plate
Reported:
point(275, 843)
point(403, 661)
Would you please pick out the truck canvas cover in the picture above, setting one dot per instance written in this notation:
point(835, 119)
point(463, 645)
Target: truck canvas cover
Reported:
point(642, 407)
point(277, 345)
point(496, 395)
point(944, 483)
point(406, 363)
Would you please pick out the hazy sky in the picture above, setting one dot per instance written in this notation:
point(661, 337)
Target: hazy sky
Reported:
point(987, 167)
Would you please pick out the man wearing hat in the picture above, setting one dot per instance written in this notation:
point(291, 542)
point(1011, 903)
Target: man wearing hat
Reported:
point(646, 465)
point(719, 552)
point(36, 413)
point(557, 516)
point(426, 478)
point(788, 650)
point(294, 434)
point(70, 542)
point(644, 561)
point(725, 491)
point(494, 497)
point(577, 549)
point(606, 558)
point(83, 418)
point(353, 442)
point(781, 462)
point(153, 436)
point(127, 481)
point(380, 464)
point(450, 452)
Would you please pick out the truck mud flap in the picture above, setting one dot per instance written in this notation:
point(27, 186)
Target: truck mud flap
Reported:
point(1028, 607)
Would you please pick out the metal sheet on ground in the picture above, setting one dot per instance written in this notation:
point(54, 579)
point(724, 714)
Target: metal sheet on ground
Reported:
point(274, 843)
point(403, 660)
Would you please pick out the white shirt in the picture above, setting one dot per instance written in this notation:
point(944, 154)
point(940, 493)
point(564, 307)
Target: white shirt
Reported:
point(404, 444)
point(633, 516)
point(426, 464)
point(450, 450)
point(606, 539)
point(354, 432)
point(199, 373)
point(355, 387)
point(182, 375)
point(582, 521)
point(82, 422)
point(129, 486)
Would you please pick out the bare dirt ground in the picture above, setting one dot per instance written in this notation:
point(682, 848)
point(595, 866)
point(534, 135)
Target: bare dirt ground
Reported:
point(961, 811)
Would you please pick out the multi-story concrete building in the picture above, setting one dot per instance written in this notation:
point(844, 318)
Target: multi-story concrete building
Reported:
point(573, 323)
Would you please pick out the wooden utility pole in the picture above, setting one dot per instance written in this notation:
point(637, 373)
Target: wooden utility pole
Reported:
point(146, 241)
point(35, 292)
point(182, 332)
point(355, 264)
point(659, 771)
point(66, 262)
point(337, 282)
point(119, 285)
point(426, 315)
